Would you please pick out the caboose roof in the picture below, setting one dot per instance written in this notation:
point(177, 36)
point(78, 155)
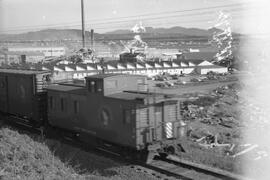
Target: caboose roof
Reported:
point(72, 89)
point(128, 96)
point(104, 76)
point(20, 71)
point(143, 97)
point(101, 76)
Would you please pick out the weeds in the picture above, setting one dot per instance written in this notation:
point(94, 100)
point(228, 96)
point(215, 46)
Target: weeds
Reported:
point(30, 157)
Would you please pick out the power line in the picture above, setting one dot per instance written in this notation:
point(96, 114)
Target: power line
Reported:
point(141, 15)
point(120, 22)
point(124, 24)
point(148, 14)
point(157, 18)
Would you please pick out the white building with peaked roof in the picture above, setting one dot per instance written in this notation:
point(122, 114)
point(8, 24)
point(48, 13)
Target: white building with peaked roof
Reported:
point(146, 68)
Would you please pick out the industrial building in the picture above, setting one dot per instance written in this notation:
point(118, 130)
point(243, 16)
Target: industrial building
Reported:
point(17, 57)
point(207, 56)
point(47, 51)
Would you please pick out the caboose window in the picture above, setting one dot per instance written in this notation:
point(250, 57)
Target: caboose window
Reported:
point(95, 86)
point(51, 102)
point(2, 84)
point(153, 134)
point(98, 86)
point(105, 116)
point(127, 116)
point(158, 108)
point(92, 85)
point(76, 107)
point(62, 104)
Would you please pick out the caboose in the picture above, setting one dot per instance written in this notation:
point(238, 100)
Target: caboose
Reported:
point(114, 109)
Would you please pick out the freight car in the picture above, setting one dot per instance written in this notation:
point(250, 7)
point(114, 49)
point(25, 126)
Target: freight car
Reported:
point(112, 109)
point(22, 95)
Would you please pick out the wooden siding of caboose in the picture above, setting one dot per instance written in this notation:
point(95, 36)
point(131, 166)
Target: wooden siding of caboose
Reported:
point(63, 113)
point(123, 83)
point(171, 119)
point(151, 122)
point(106, 117)
point(100, 117)
point(148, 125)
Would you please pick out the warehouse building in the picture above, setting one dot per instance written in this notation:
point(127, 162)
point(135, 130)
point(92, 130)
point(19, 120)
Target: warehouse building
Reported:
point(10, 57)
point(150, 69)
point(47, 51)
point(207, 56)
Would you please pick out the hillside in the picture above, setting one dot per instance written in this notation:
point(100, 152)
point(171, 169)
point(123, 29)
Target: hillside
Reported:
point(75, 34)
point(23, 158)
point(28, 156)
point(172, 30)
point(48, 34)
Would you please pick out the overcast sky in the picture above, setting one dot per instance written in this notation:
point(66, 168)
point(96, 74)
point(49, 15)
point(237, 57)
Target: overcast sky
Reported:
point(106, 15)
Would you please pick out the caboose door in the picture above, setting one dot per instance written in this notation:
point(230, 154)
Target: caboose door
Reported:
point(169, 115)
point(158, 119)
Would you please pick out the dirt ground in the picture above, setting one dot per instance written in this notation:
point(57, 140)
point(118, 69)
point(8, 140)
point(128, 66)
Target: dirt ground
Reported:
point(216, 125)
point(188, 88)
point(204, 88)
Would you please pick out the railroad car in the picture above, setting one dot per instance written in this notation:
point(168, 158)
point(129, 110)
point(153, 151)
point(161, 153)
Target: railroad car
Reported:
point(115, 109)
point(22, 94)
point(112, 110)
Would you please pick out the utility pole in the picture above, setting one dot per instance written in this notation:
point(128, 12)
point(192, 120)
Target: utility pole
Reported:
point(92, 39)
point(83, 32)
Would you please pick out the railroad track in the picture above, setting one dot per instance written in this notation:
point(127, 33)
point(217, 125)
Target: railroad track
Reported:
point(20, 125)
point(168, 166)
point(174, 166)
point(183, 171)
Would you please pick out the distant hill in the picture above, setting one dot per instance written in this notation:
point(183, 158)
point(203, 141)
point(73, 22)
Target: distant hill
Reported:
point(48, 34)
point(172, 30)
point(75, 34)
point(164, 33)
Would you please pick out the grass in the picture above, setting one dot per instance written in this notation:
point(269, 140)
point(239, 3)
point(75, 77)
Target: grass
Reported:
point(212, 157)
point(28, 156)
point(23, 158)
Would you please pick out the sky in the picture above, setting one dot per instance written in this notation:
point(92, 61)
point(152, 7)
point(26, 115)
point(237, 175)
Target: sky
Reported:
point(18, 16)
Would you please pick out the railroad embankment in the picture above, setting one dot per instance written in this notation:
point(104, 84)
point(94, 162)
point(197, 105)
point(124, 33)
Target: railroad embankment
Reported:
point(28, 156)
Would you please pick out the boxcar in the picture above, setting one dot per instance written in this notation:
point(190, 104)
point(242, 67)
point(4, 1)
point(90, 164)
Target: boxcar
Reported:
point(22, 94)
point(111, 108)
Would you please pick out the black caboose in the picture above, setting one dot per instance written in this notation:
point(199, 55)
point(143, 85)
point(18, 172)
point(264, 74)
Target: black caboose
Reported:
point(114, 108)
